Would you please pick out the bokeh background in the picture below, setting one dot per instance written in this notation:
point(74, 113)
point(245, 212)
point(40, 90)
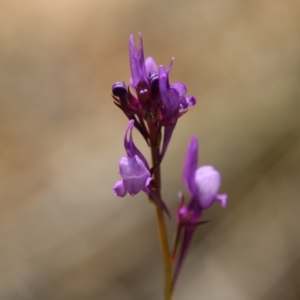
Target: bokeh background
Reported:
point(63, 233)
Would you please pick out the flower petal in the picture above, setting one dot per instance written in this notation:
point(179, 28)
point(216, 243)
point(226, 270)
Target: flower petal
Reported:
point(180, 87)
point(190, 166)
point(170, 96)
point(208, 181)
point(134, 174)
point(170, 65)
point(137, 63)
point(147, 184)
point(222, 199)
point(191, 101)
point(151, 66)
point(120, 189)
point(129, 145)
point(163, 80)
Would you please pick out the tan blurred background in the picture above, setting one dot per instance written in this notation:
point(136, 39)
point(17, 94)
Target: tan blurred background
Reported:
point(63, 233)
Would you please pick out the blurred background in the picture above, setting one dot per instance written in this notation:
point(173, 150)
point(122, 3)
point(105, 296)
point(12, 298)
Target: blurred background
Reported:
point(63, 233)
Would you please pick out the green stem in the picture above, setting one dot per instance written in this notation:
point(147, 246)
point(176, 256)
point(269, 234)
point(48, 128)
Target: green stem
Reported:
point(160, 218)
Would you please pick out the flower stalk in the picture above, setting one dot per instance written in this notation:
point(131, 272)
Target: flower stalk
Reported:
point(162, 231)
point(153, 109)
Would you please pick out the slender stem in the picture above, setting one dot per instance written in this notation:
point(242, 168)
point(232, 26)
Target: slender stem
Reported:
point(161, 220)
point(165, 253)
point(176, 242)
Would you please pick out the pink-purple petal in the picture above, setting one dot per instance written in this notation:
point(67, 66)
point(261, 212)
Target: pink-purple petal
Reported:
point(190, 166)
point(163, 80)
point(126, 140)
point(208, 181)
point(137, 64)
point(148, 181)
point(172, 97)
point(180, 87)
point(169, 96)
point(134, 62)
point(222, 198)
point(170, 66)
point(120, 189)
point(191, 101)
point(151, 66)
point(134, 174)
point(129, 145)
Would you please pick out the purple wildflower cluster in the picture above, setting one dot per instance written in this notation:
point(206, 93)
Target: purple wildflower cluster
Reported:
point(153, 109)
point(156, 101)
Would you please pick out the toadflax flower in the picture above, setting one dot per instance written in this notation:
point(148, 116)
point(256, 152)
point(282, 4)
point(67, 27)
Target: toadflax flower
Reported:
point(203, 185)
point(173, 104)
point(135, 172)
point(173, 98)
point(133, 168)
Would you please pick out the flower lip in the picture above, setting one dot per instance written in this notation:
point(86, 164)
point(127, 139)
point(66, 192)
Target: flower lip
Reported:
point(208, 182)
point(135, 174)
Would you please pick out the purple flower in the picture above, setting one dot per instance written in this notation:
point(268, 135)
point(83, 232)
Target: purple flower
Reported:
point(135, 172)
point(173, 104)
point(203, 185)
point(173, 98)
point(133, 168)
